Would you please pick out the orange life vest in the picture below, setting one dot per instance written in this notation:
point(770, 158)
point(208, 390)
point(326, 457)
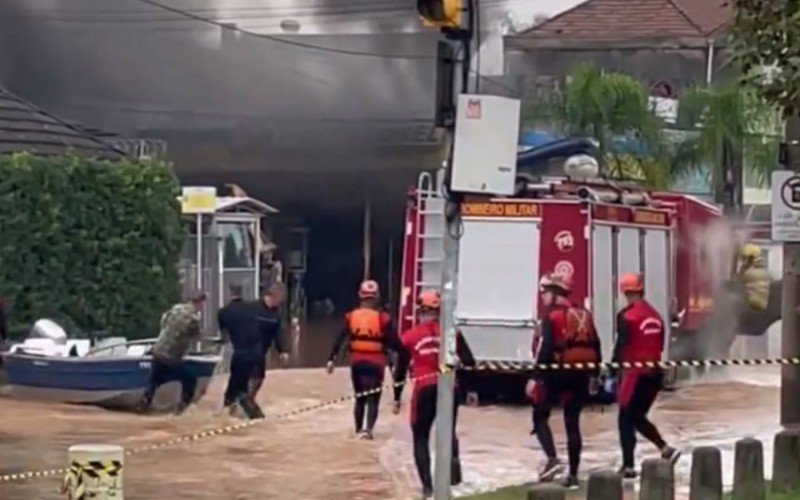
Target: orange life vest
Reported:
point(366, 331)
point(574, 336)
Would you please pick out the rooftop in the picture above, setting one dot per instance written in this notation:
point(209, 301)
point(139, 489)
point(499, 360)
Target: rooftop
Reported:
point(26, 128)
point(632, 20)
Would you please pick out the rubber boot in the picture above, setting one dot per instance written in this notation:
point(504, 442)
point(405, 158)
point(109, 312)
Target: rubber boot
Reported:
point(455, 472)
point(250, 409)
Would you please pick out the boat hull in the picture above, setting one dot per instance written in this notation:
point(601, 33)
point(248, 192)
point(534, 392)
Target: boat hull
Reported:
point(116, 383)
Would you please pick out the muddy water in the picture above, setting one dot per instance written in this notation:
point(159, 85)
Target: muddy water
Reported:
point(313, 455)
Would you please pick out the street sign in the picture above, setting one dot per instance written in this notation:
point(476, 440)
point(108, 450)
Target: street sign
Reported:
point(785, 206)
point(199, 200)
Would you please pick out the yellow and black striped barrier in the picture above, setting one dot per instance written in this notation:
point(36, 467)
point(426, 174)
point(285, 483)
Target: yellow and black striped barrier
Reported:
point(81, 474)
point(484, 366)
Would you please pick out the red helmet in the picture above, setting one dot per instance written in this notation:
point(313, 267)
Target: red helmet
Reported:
point(368, 290)
point(553, 280)
point(631, 282)
point(430, 299)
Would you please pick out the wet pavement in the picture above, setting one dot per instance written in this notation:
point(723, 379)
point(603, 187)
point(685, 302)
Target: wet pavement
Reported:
point(314, 456)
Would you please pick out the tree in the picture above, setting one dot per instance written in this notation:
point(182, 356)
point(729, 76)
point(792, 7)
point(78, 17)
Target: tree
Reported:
point(717, 127)
point(606, 106)
point(765, 42)
point(92, 243)
point(732, 130)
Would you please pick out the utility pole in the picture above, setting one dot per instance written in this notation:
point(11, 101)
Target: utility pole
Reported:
point(790, 334)
point(445, 395)
point(447, 16)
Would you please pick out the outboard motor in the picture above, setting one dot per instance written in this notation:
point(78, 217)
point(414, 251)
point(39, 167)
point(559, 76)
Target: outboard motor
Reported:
point(48, 329)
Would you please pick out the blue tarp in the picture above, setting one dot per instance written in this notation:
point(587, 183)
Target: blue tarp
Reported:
point(537, 144)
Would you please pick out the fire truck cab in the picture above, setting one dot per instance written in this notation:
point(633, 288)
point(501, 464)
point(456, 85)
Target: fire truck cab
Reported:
point(591, 230)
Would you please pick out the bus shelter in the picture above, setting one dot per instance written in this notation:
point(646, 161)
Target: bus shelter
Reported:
point(228, 238)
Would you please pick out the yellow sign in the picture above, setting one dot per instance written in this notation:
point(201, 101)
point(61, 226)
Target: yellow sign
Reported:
point(647, 217)
point(509, 209)
point(199, 200)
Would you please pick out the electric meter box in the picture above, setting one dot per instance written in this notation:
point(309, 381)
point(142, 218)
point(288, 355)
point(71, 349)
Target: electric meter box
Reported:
point(485, 145)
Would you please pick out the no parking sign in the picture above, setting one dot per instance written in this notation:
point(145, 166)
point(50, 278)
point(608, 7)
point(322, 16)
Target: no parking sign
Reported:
point(785, 206)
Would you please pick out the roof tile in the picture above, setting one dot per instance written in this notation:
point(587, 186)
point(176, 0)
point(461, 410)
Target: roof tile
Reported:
point(630, 19)
point(24, 127)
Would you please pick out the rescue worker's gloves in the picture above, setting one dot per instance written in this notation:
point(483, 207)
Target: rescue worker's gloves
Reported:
point(396, 407)
point(329, 367)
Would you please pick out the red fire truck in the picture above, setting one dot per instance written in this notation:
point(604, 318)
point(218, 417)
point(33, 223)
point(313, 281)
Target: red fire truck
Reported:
point(593, 230)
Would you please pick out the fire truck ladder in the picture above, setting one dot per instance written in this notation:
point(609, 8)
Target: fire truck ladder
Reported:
point(429, 238)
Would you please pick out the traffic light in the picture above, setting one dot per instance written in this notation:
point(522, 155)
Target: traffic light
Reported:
point(440, 13)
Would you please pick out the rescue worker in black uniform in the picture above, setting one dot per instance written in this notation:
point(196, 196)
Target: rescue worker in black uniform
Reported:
point(270, 330)
point(568, 336)
point(237, 323)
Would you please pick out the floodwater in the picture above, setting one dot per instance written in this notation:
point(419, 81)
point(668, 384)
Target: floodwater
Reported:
point(313, 455)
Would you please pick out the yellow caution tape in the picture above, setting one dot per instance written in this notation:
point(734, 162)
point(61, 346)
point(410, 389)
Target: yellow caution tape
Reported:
point(516, 366)
point(502, 366)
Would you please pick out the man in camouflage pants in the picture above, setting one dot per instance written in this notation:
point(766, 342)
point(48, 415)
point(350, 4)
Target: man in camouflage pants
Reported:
point(180, 326)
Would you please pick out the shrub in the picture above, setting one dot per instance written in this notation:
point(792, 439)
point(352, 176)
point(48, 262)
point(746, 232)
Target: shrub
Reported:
point(89, 241)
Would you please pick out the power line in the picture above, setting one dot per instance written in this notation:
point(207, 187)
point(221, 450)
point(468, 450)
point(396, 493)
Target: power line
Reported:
point(308, 46)
point(276, 39)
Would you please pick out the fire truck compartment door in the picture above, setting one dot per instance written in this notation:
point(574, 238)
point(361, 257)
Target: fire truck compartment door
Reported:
point(499, 343)
point(628, 251)
point(657, 276)
point(603, 287)
point(498, 271)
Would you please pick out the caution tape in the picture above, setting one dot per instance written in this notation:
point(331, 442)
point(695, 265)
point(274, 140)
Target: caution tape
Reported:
point(484, 366)
point(515, 366)
point(74, 484)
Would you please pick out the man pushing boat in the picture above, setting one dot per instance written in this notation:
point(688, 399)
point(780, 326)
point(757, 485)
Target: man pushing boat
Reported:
point(180, 327)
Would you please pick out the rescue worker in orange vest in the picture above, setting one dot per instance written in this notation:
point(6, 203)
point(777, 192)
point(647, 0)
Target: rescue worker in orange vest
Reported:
point(370, 335)
point(640, 337)
point(568, 336)
point(421, 346)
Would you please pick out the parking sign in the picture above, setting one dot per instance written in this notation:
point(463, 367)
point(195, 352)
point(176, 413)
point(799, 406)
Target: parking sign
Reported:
point(785, 206)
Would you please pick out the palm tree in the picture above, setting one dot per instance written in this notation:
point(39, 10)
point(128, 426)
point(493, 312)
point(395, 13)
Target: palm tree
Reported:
point(606, 106)
point(731, 131)
point(718, 128)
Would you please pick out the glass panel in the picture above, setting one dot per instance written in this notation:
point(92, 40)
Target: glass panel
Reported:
point(237, 244)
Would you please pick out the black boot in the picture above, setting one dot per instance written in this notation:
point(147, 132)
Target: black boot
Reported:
point(455, 472)
point(250, 408)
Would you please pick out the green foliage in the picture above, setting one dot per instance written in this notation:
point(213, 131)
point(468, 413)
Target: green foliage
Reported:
point(766, 43)
point(598, 104)
point(733, 115)
point(603, 105)
point(94, 241)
